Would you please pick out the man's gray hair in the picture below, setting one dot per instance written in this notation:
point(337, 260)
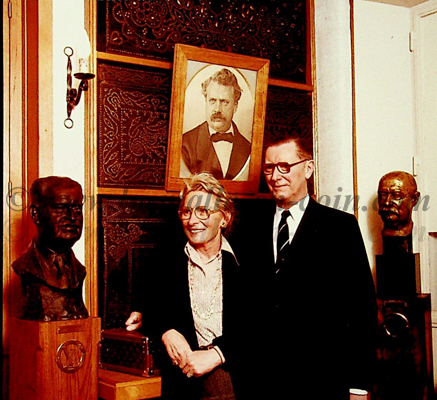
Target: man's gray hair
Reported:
point(226, 78)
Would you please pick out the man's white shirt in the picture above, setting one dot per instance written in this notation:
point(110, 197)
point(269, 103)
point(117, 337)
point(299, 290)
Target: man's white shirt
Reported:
point(223, 150)
point(293, 220)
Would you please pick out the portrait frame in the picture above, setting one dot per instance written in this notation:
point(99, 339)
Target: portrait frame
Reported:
point(190, 64)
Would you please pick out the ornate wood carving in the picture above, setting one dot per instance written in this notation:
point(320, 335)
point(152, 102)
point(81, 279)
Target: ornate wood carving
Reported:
point(130, 229)
point(273, 29)
point(134, 105)
point(288, 111)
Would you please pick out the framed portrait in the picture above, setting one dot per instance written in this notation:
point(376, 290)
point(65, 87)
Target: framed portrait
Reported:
point(218, 106)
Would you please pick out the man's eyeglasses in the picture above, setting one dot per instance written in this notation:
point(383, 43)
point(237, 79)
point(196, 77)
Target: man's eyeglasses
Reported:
point(283, 167)
point(200, 212)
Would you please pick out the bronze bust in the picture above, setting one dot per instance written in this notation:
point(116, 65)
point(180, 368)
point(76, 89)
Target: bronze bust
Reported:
point(397, 195)
point(51, 276)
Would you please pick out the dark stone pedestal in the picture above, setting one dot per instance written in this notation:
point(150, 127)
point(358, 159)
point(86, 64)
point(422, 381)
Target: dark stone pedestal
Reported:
point(404, 350)
point(398, 276)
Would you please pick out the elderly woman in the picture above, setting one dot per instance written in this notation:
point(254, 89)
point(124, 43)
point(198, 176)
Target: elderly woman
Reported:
point(199, 293)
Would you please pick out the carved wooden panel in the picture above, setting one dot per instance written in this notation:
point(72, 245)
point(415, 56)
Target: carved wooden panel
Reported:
point(274, 29)
point(130, 229)
point(289, 112)
point(134, 105)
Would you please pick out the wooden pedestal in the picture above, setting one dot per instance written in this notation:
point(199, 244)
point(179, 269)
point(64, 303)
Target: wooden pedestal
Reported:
point(54, 360)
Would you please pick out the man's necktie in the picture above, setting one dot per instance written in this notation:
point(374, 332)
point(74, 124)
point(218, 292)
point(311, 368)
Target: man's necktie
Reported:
point(228, 137)
point(59, 263)
point(63, 273)
point(283, 234)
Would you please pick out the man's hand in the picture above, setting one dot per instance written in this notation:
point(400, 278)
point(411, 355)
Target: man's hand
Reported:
point(201, 362)
point(134, 321)
point(177, 347)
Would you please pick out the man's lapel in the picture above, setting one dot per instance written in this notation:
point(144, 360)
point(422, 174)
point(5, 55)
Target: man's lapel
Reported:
point(204, 147)
point(306, 230)
point(269, 231)
point(239, 154)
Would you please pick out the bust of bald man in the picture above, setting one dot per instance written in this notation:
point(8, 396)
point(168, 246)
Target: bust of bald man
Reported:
point(397, 195)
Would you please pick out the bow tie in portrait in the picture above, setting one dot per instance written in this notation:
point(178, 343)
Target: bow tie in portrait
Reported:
point(228, 137)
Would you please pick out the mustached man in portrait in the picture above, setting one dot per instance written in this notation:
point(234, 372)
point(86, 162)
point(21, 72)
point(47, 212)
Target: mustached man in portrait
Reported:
point(216, 145)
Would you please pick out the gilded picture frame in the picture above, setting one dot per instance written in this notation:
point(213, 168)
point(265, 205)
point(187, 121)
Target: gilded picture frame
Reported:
point(204, 98)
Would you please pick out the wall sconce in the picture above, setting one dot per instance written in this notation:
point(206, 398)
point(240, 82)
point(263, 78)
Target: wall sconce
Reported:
point(74, 95)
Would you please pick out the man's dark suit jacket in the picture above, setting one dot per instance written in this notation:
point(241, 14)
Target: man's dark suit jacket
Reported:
point(172, 310)
point(199, 155)
point(42, 301)
point(316, 308)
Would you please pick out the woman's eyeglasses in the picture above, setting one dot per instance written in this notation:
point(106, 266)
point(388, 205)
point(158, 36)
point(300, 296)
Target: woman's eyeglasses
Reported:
point(200, 212)
point(283, 167)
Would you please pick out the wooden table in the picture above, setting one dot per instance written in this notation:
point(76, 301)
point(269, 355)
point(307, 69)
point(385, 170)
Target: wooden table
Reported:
point(119, 386)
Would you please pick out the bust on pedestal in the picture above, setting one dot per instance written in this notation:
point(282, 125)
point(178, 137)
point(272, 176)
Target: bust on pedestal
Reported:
point(404, 366)
point(53, 321)
point(397, 268)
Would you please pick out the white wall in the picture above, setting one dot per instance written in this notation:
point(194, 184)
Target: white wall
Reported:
point(334, 101)
point(384, 106)
point(68, 144)
point(424, 19)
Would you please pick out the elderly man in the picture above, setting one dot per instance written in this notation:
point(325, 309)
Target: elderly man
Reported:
point(317, 306)
point(397, 195)
point(216, 146)
point(51, 276)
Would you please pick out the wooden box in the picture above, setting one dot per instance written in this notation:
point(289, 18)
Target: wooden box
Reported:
point(129, 352)
point(54, 360)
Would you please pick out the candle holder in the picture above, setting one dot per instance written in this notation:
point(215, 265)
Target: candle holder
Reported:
point(74, 95)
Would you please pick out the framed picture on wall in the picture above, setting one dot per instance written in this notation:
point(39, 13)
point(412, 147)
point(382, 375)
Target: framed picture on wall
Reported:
point(218, 106)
